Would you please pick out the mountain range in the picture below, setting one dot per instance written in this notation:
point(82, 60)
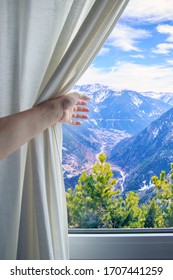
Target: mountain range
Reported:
point(145, 155)
point(124, 110)
point(114, 116)
point(166, 97)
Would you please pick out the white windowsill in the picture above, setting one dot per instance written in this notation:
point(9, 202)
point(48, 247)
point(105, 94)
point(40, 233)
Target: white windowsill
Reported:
point(132, 244)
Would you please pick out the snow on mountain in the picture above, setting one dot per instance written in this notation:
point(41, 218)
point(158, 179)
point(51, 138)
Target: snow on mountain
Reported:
point(146, 154)
point(166, 97)
point(137, 101)
point(155, 132)
point(97, 92)
point(114, 115)
point(155, 95)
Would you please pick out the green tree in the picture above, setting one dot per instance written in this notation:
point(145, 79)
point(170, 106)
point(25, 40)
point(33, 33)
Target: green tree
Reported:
point(126, 213)
point(154, 217)
point(88, 205)
point(95, 203)
point(164, 195)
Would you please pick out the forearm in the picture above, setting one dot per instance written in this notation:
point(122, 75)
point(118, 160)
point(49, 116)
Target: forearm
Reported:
point(17, 129)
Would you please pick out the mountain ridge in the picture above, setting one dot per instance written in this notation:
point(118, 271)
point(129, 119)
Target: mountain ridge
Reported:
point(129, 113)
point(146, 154)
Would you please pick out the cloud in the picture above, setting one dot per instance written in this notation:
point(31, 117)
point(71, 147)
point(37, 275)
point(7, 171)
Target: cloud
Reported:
point(166, 29)
point(167, 46)
point(132, 76)
point(149, 10)
point(170, 61)
point(126, 38)
point(163, 48)
point(103, 51)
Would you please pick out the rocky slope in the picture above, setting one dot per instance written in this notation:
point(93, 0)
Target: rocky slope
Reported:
point(114, 115)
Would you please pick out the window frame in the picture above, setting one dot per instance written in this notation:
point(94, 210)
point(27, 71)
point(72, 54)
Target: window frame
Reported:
point(121, 244)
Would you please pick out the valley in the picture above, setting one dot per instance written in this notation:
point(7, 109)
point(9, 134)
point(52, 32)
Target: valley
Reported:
point(114, 116)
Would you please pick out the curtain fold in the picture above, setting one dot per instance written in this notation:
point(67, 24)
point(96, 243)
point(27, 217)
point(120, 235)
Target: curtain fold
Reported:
point(46, 45)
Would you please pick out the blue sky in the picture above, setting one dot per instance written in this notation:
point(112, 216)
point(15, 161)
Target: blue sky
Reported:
point(138, 54)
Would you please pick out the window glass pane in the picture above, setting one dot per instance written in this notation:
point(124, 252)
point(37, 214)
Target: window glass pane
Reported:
point(118, 164)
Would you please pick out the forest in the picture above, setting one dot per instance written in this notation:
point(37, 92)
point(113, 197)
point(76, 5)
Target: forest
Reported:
point(97, 203)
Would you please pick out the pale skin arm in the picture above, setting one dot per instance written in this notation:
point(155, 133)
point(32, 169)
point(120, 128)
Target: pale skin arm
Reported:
point(17, 129)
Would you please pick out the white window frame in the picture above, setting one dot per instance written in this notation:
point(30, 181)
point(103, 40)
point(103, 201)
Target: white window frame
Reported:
point(121, 244)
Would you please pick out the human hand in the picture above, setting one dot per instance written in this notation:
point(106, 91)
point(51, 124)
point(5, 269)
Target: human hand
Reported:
point(73, 105)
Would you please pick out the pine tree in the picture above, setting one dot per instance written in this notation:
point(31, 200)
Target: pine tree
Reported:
point(164, 197)
point(88, 205)
point(96, 204)
point(126, 213)
point(154, 217)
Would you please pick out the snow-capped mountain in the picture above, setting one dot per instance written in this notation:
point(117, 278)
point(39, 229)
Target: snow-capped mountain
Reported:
point(166, 97)
point(114, 115)
point(124, 110)
point(146, 154)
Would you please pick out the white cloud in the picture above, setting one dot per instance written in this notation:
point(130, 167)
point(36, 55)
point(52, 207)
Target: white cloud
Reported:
point(163, 48)
point(167, 46)
point(126, 37)
point(157, 78)
point(170, 61)
point(149, 10)
point(166, 29)
point(103, 51)
point(132, 76)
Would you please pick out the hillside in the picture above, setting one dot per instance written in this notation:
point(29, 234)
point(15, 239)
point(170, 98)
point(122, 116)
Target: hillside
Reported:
point(114, 115)
point(146, 154)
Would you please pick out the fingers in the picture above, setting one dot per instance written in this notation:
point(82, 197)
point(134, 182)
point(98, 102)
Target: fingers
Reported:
point(79, 96)
point(84, 97)
point(81, 102)
point(75, 102)
point(75, 123)
point(81, 109)
point(79, 116)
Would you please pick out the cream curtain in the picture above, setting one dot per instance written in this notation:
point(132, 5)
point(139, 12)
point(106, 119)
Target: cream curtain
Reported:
point(45, 46)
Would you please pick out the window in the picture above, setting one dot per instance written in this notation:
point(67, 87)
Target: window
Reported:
point(130, 83)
